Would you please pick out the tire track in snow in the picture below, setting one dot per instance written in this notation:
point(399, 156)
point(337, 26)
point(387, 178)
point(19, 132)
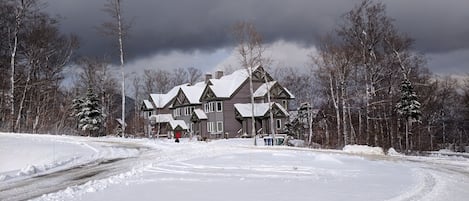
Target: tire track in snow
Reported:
point(44, 183)
point(425, 185)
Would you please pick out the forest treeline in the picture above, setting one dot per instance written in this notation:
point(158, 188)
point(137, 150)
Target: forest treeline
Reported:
point(354, 83)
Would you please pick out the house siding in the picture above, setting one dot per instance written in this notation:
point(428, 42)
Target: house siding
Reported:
point(232, 125)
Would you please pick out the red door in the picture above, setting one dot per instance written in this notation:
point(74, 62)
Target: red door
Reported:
point(178, 134)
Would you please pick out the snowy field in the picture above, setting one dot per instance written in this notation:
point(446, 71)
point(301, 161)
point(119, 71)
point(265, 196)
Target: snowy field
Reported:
point(141, 169)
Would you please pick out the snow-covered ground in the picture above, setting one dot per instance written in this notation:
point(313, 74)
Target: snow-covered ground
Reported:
point(142, 169)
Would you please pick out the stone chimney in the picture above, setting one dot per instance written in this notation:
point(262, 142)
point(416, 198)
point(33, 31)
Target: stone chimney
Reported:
point(208, 76)
point(218, 74)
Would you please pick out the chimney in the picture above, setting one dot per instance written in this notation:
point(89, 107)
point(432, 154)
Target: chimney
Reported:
point(208, 76)
point(218, 74)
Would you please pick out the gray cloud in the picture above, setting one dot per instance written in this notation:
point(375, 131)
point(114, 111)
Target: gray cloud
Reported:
point(439, 27)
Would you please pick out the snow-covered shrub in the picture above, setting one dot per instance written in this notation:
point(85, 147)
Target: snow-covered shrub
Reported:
point(393, 152)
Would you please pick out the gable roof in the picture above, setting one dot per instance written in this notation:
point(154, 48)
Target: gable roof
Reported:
point(262, 90)
point(193, 92)
point(181, 123)
point(147, 105)
point(228, 84)
point(162, 100)
point(260, 109)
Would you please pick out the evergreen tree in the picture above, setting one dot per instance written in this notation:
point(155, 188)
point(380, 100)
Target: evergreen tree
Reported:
point(408, 107)
point(76, 105)
point(88, 112)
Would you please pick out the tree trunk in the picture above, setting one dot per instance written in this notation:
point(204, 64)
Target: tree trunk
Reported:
point(121, 50)
point(271, 115)
point(23, 99)
point(407, 135)
point(253, 121)
point(336, 107)
point(18, 21)
point(344, 110)
point(352, 129)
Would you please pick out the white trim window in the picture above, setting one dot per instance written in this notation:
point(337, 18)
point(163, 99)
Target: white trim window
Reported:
point(278, 124)
point(220, 126)
point(211, 127)
point(219, 106)
point(214, 106)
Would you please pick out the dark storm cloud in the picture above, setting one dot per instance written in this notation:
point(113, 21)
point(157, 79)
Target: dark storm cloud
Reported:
point(159, 26)
point(189, 24)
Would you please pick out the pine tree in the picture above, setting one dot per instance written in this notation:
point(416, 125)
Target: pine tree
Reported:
point(408, 107)
point(88, 112)
point(77, 104)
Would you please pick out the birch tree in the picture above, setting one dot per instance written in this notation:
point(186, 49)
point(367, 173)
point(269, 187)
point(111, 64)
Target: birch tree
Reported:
point(21, 7)
point(250, 50)
point(118, 29)
point(362, 67)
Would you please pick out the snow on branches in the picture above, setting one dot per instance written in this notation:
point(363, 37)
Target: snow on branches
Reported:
point(88, 113)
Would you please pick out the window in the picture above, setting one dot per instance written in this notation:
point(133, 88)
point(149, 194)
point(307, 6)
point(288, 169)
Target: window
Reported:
point(149, 113)
point(211, 107)
point(211, 127)
point(219, 106)
point(215, 106)
point(278, 124)
point(206, 107)
point(219, 126)
point(285, 104)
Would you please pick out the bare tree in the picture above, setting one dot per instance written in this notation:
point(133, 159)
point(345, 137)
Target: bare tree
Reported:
point(21, 7)
point(360, 70)
point(179, 76)
point(118, 29)
point(250, 50)
point(194, 74)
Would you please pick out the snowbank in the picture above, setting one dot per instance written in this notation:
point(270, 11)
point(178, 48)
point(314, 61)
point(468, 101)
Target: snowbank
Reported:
point(296, 143)
point(393, 152)
point(363, 149)
point(25, 155)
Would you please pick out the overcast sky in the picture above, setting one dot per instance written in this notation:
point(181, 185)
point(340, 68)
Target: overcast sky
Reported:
point(183, 33)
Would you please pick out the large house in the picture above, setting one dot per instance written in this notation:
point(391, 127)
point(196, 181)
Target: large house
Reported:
point(219, 107)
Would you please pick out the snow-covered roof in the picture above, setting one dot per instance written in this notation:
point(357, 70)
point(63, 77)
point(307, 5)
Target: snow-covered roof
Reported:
point(260, 109)
point(194, 92)
point(161, 100)
point(228, 84)
point(148, 104)
point(262, 90)
point(176, 123)
point(200, 114)
point(289, 93)
point(161, 118)
point(168, 118)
